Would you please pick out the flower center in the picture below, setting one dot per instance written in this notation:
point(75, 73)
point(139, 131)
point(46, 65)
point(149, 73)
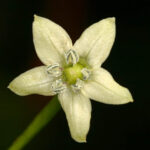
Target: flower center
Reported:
point(72, 73)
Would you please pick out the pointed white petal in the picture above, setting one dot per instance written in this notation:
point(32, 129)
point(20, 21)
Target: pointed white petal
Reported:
point(96, 41)
point(103, 88)
point(77, 108)
point(50, 40)
point(34, 81)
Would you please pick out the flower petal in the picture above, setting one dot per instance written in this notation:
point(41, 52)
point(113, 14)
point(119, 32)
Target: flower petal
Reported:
point(34, 81)
point(96, 41)
point(50, 40)
point(78, 113)
point(104, 89)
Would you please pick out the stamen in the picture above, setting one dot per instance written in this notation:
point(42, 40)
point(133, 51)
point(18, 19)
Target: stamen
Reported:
point(77, 86)
point(86, 73)
point(58, 86)
point(72, 57)
point(54, 70)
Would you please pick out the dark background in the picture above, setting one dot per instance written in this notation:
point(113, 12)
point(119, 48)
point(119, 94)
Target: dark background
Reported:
point(121, 127)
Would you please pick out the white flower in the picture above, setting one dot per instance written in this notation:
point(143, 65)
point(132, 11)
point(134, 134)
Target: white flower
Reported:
point(73, 72)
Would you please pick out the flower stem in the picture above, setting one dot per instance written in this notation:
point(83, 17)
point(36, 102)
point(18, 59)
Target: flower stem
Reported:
point(45, 116)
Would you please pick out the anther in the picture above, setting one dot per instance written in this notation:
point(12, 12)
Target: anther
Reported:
point(54, 70)
point(58, 86)
point(77, 86)
point(72, 57)
point(86, 73)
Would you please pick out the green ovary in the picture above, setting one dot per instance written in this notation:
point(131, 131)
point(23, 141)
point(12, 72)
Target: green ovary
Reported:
point(72, 73)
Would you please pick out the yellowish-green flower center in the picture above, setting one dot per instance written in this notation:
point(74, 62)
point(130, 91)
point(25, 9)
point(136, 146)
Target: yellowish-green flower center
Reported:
point(72, 73)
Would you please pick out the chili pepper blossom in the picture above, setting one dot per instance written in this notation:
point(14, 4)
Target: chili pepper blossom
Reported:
point(73, 72)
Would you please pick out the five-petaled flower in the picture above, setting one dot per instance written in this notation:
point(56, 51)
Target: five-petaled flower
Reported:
point(73, 72)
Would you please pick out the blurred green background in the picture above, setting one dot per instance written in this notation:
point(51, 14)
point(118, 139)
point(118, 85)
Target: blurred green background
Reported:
point(112, 127)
